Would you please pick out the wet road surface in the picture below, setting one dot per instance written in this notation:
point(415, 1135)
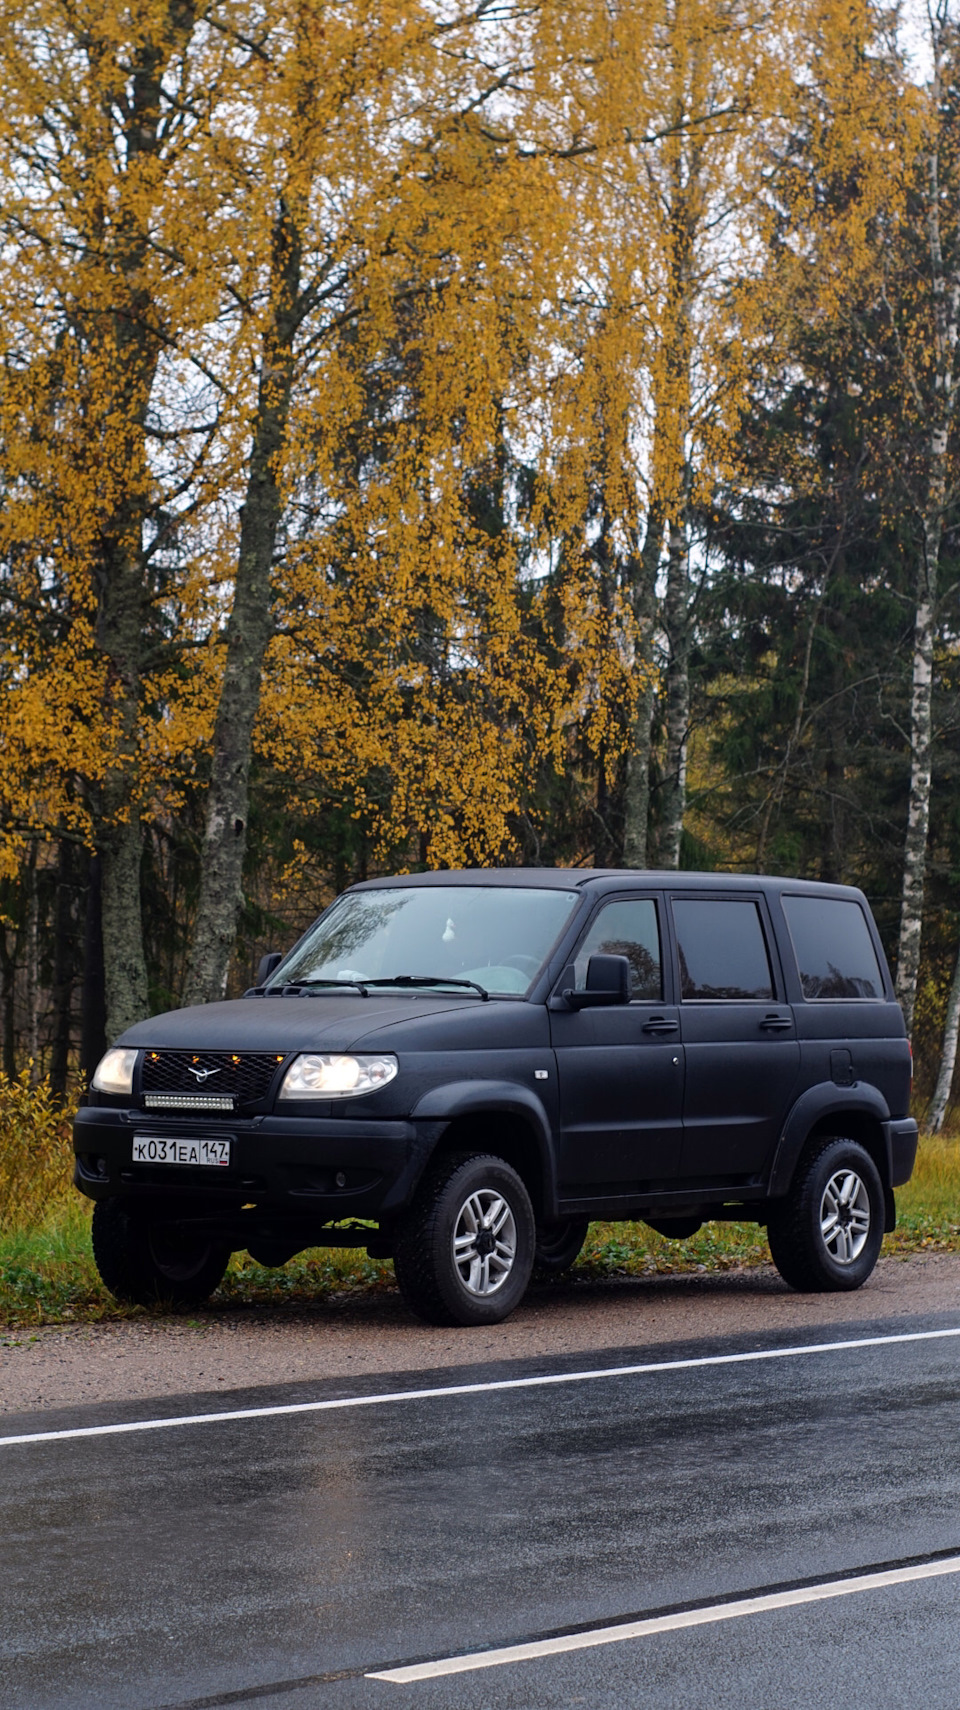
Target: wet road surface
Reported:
point(282, 1558)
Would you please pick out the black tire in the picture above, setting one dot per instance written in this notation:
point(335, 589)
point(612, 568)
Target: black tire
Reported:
point(558, 1245)
point(433, 1284)
point(807, 1256)
point(143, 1264)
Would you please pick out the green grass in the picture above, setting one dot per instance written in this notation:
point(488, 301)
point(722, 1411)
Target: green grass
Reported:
point(47, 1273)
point(928, 1220)
point(928, 1208)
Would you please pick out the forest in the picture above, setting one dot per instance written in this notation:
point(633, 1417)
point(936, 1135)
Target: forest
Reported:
point(446, 433)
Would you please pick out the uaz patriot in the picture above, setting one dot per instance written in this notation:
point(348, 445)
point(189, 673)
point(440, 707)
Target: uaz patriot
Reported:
point(460, 1070)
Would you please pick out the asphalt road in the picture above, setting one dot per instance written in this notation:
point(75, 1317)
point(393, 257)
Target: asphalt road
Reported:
point(282, 1558)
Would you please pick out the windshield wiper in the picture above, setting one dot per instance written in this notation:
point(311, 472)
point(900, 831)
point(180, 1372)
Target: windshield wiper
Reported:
point(296, 987)
point(431, 980)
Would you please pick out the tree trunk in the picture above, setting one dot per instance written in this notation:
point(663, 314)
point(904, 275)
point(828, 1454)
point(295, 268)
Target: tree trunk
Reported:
point(918, 810)
point(64, 965)
point(670, 463)
point(32, 936)
point(938, 409)
point(125, 349)
point(608, 810)
point(124, 960)
point(948, 1058)
point(636, 788)
point(248, 634)
point(93, 1014)
point(121, 831)
point(835, 767)
point(677, 698)
point(8, 996)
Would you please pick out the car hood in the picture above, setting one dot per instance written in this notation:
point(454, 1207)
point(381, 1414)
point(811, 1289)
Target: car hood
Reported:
point(336, 1021)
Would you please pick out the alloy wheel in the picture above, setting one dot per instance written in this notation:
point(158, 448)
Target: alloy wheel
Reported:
point(484, 1242)
point(845, 1216)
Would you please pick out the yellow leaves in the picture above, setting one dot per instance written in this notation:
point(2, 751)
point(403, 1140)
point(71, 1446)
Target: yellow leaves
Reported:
point(521, 323)
point(36, 1165)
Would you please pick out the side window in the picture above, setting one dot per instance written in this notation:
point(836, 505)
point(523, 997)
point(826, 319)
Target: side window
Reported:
point(722, 949)
point(835, 953)
point(627, 929)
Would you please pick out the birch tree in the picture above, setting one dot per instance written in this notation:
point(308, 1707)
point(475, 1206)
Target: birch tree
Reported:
point(366, 165)
point(929, 366)
point(948, 1056)
point(685, 93)
point(108, 182)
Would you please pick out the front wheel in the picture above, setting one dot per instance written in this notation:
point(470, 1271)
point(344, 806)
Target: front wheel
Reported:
point(826, 1234)
point(464, 1251)
point(145, 1263)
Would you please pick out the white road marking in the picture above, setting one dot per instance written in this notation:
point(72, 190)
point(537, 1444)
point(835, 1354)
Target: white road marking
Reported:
point(665, 1623)
point(544, 1381)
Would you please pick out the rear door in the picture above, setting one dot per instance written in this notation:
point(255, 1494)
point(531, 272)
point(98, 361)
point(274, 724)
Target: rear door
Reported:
point(620, 1069)
point(738, 1034)
point(848, 1021)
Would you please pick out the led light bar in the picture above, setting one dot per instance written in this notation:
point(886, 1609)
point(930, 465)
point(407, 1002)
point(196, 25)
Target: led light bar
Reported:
point(187, 1101)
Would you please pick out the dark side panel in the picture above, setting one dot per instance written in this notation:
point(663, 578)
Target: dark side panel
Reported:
point(742, 1074)
point(621, 1089)
point(846, 1043)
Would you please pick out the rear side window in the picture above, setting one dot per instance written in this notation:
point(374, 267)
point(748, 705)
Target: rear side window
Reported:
point(834, 949)
point(723, 953)
point(627, 929)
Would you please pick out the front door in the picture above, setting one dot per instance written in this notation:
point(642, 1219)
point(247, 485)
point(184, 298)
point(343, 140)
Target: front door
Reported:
point(739, 1038)
point(620, 1069)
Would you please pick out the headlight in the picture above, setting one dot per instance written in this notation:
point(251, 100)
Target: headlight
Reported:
point(114, 1072)
point(325, 1075)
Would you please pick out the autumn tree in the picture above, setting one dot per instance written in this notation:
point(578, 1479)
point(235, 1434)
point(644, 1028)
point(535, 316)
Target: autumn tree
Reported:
point(201, 205)
point(667, 175)
point(872, 194)
point(109, 184)
point(921, 296)
point(406, 253)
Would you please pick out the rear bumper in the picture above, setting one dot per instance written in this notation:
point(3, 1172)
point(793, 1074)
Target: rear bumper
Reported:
point(282, 1169)
point(902, 1140)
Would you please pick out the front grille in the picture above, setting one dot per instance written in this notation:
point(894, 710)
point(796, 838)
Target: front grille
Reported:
point(188, 1101)
point(220, 1082)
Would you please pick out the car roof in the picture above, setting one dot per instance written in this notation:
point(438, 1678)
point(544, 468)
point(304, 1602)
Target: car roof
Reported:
point(607, 878)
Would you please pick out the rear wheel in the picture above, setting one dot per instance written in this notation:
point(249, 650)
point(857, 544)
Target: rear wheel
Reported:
point(558, 1245)
point(464, 1252)
point(143, 1263)
point(826, 1234)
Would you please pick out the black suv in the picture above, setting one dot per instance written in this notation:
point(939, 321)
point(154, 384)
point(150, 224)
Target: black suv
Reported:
point(459, 1070)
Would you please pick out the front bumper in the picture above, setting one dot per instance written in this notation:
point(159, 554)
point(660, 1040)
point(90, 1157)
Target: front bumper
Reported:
point(282, 1171)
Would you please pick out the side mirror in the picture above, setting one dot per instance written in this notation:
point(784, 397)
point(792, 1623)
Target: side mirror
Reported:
point(608, 982)
point(271, 960)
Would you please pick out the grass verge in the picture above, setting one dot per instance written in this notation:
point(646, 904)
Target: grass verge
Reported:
point(47, 1273)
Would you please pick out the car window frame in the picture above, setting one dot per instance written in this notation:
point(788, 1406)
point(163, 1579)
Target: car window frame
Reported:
point(778, 982)
point(644, 894)
point(865, 914)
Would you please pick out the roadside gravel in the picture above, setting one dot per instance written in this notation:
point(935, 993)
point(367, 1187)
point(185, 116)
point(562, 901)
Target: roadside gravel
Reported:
point(239, 1348)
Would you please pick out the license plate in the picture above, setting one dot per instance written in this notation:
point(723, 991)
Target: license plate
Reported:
point(148, 1149)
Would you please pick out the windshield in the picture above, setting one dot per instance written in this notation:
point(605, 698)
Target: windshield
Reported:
point(498, 936)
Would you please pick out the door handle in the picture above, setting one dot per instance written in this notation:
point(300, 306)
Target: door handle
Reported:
point(776, 1023)
point(660, 1024)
